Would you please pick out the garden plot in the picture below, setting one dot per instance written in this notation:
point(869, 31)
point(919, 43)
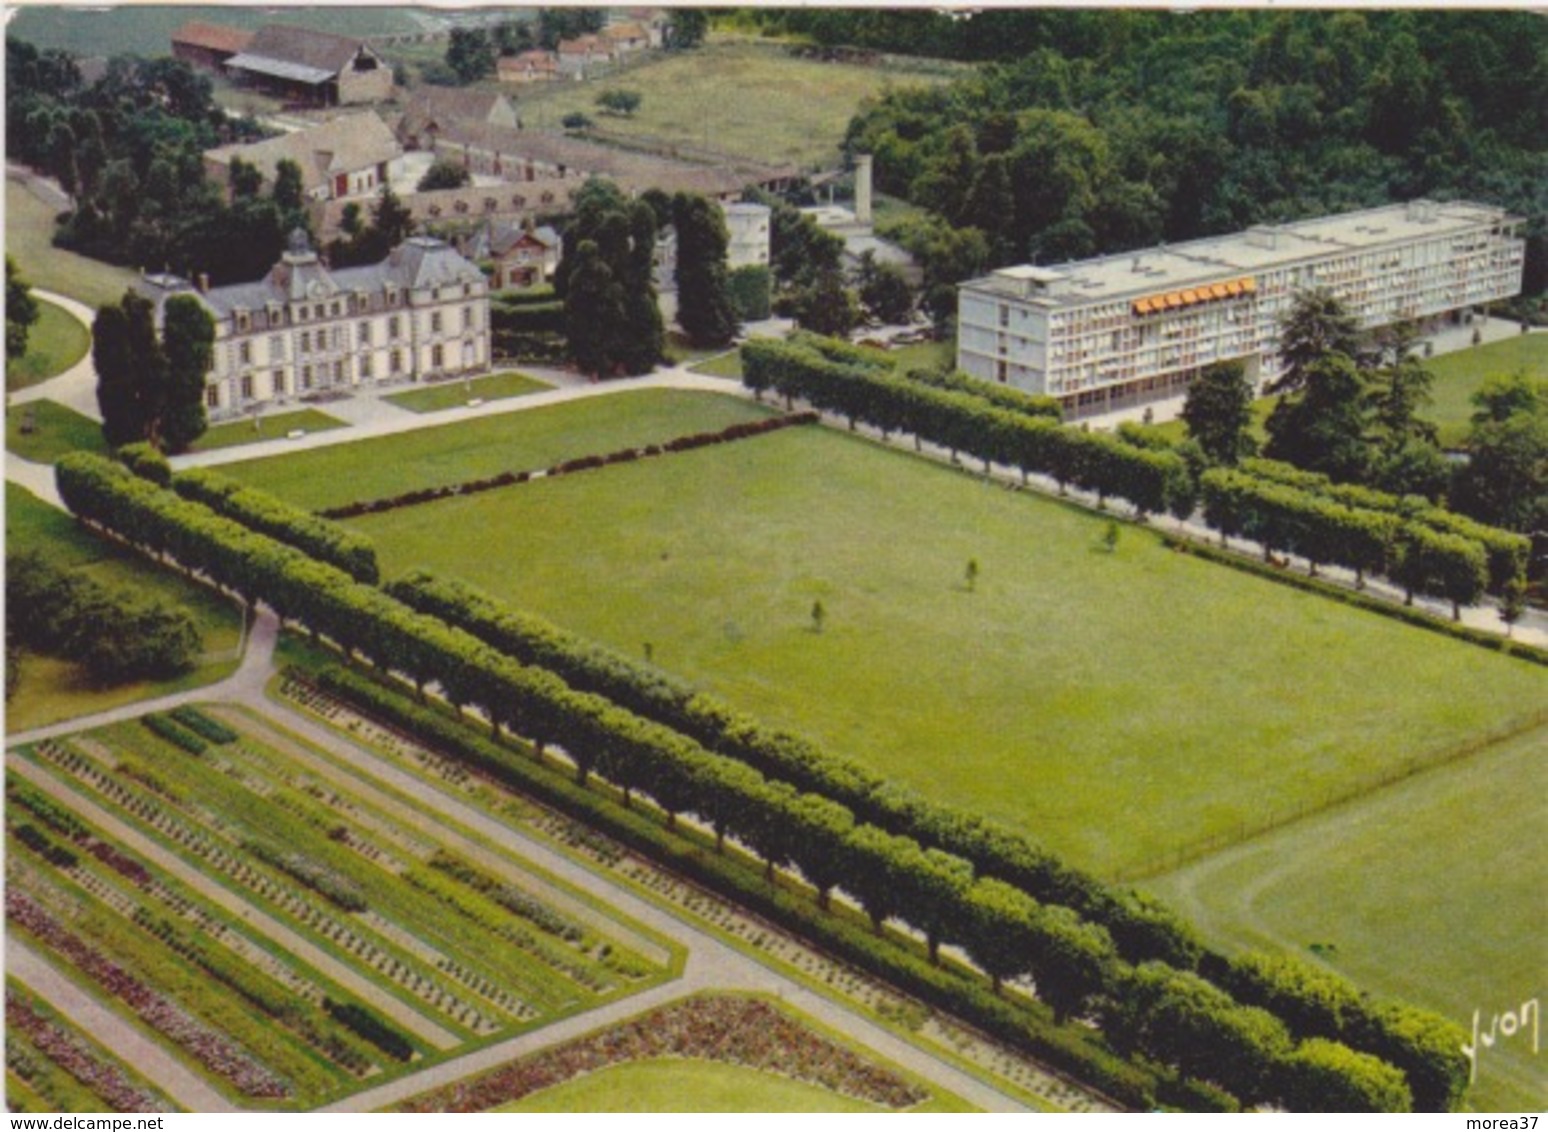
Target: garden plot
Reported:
point(287, 937)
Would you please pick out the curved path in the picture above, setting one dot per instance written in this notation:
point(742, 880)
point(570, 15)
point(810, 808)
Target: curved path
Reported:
point(76, 387)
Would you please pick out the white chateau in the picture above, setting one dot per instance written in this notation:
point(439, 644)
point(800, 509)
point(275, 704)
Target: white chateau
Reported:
point(303, 330)
point(1130, 329)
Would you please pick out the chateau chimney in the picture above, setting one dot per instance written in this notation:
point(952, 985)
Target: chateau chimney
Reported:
point(863, 189)
point(204, 283)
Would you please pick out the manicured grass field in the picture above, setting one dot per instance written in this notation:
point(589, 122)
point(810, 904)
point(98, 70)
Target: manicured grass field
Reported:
point(56, 429)
point(1430, 891)
point(455, 394)
point(233, 434)
point(721, 365)
point(685, 1086)
point(48, 689)
point(328, 477)
point(56, 342)
point(743, 97)
point(1114, 706)
point(29, 231)
point(1458, 376)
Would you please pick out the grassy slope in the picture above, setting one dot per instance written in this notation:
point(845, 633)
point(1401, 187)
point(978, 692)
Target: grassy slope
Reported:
point(1429, 891)
point(51, 690)
point(520, 441)
point(233, 434)
point(1113, 705)
point(749, 98)
point(29, 230)
point(56, 342)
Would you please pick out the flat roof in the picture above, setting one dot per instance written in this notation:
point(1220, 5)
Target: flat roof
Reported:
point(1167, 267)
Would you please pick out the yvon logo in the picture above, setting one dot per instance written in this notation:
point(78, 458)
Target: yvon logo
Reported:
point(1502, 1026)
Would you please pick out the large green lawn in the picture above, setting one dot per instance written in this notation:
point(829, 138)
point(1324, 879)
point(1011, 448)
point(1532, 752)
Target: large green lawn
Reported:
point(43, 431)
point(455, 394)
point(56, 342)
point(1431, 891)
point(1115, 706)
point(49, 689)
point(328, 477)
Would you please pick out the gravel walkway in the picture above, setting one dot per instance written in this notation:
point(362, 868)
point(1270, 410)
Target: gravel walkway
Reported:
point(162, 1069)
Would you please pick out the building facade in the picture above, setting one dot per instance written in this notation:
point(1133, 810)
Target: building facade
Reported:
point(351, 156)
point(304, 331)
point(1126, 330)
point(312, 67)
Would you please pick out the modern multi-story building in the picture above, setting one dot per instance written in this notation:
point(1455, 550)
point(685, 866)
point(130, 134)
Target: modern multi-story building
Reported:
point(1130, 329)
point(420, 314)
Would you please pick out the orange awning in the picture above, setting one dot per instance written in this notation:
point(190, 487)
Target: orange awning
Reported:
point(1190, 297)
point(1218, 290)
point(1142, 306)
point(1249, 285)
point(1173, 299)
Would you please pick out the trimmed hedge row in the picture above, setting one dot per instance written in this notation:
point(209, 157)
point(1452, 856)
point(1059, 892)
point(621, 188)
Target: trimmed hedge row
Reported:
point(527, 318)
point(1153, 481)
point(1003, 396)
point(174, 733)
point(365, 1023)
point(327, 542)
point(203, 726)
point(1285, 518)
point(738, 431)
point(145, 460)
point(1508, 552)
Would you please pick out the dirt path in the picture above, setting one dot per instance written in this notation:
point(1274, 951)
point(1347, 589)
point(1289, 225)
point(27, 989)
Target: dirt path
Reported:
point(222, 897)
point(161, 1068)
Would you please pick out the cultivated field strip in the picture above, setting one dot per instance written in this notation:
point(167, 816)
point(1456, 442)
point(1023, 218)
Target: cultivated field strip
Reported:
point(164, 1070)
point(473, 850)
point(257, 882)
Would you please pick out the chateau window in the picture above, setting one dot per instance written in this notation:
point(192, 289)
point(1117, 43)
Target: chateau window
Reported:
point(435, 322)
point(333, 309)
point(395, 362)
point(394, 328)
point(278, 378)
point(365, 365)
point(365, 333)
point(306, 377)
point(212, 396)
point(437, 357)
point(467, 318)
point(276, 347)
point(247, 387)
point(245, 353)
point(306, 341)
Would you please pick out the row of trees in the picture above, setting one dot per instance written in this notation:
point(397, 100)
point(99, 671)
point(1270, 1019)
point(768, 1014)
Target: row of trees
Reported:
point(325, 541)
point(605, 279)
point(1075, 964)
point(117, 634)
point(1153, 481)
point(150, 387)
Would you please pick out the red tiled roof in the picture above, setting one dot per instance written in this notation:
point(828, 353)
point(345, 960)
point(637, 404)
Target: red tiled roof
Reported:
point(213, 37)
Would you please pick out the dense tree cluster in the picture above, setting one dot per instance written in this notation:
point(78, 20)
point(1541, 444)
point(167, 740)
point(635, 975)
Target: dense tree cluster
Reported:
point(1097, 131)
point(605, 279)
point(807, 263)
point(150, 386)
point(1505, 480)
point(703, 288)
point(116, 634)
point(128, 149)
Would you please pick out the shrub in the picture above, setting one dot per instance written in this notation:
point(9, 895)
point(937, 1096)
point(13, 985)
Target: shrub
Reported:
point(370, 1027)
point(174, 733)
point(196, 721)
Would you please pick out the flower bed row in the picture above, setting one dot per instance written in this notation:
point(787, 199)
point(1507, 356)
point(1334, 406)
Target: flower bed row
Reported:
point(735, 1031)
point(77, 1058)
point(211, 1049)
point(579, 464)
